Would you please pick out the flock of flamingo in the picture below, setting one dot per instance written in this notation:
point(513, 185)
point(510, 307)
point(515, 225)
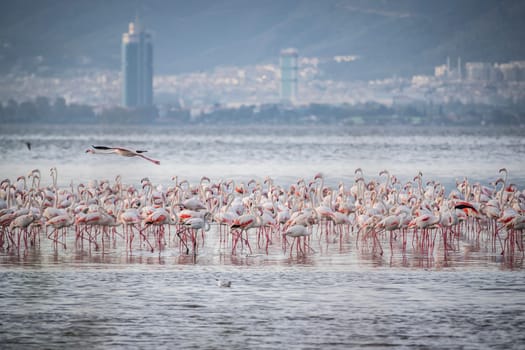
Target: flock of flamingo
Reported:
point(259, 214)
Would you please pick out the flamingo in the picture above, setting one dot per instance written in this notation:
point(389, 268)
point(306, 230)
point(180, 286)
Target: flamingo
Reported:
point(370, 207)
point(59, 222)
point(125, 152)
point(193, 204)
point(22, 222)
point(389, 223)
point(267, 223)
point(516, 224)
point(426, 222)
point(243, 223)
point(224, 215)
point(467, 207)
point(297, 231)
point(131, 219)
point(193, 225)
point(158, 218)
point(341, 220)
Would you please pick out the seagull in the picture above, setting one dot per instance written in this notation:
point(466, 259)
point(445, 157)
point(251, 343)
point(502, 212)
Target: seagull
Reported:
point(224, 283)
point(28, 144)
point(126, 152)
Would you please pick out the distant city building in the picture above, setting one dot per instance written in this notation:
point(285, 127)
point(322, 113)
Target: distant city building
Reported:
point(503, 72)
point(289, 65)
point(479, 71)
point(441, 71)
point(445, 71)
point(137, 67)
point(513, 71)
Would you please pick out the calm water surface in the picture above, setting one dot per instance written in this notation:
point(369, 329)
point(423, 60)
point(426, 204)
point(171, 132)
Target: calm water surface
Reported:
point(285, 153)
point(341, 296)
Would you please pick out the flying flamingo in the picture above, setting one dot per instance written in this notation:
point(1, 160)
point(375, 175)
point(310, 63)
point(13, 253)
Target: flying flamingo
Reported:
point(125, 152)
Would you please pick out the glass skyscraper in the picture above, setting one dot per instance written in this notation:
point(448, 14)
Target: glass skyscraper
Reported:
point(288, 64)
point(137, 67)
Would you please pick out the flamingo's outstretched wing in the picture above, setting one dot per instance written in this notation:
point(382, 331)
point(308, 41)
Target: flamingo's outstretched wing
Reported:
point(102, 147)
point(106, 148)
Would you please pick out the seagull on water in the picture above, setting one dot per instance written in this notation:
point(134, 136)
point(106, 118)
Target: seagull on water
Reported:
point(224, 283)
point(125, 152)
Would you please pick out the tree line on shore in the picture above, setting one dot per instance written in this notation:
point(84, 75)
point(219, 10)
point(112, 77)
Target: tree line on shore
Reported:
point(43, 110)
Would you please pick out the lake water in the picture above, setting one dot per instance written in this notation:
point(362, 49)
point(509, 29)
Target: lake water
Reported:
point(285, 153)
point(343, 295)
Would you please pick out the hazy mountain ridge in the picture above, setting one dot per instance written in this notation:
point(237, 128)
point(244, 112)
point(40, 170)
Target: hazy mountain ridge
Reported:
point(391, 37)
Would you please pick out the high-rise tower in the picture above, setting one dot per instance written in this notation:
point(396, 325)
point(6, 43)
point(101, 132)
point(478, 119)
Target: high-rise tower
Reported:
point(137, 67)
point(288, 64)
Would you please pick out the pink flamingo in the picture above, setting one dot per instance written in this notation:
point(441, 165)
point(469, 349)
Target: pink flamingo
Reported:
point(512, 221)
point(426, 222)
point(59, 222)
point(158, 218)
point(125, 152)
point(131, 219)
point(390, 223)
point(243, 223)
